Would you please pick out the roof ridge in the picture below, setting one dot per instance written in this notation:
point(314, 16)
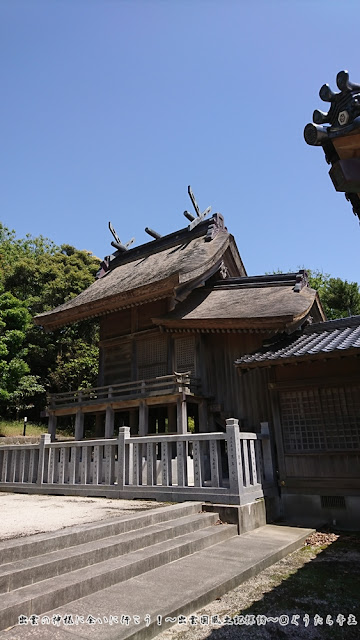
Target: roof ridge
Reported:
point(331, 325)
point(207, 228)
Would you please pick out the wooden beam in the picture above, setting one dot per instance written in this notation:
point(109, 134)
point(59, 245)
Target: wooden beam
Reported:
point(182, 426)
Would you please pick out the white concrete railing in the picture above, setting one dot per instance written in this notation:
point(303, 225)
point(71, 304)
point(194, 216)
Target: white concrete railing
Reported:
point(218, 467)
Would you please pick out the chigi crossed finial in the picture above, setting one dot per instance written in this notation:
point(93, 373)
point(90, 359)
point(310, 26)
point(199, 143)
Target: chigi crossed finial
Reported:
point(199, 216)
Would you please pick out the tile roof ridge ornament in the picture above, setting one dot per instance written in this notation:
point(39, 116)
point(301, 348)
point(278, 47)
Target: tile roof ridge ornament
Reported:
point(340, 139)
point(343, 115)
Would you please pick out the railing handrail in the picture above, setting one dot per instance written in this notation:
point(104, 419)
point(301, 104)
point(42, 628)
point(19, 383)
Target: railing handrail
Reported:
point(151, 438)
point(17, 447)
point(158, 381)
point(149, 464)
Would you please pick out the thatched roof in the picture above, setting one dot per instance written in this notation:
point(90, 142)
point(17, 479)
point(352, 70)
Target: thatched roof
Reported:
point(333, 338)
point(267, 302)
point(153, 270)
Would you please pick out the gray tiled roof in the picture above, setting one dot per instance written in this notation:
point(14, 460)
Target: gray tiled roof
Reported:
point(335, 336)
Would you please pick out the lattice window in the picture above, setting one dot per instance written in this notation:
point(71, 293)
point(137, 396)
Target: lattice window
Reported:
point(185, 354)
point(152, 357)
point(117, 363)
point(321, 419)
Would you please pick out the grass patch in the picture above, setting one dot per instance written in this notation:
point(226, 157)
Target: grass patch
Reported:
point(15, 428)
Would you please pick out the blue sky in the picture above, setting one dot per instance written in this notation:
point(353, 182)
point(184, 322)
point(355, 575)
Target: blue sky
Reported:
point(110, 108)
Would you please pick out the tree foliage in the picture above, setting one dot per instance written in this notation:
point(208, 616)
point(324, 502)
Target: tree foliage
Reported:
point(339, 298)
point(36, 276)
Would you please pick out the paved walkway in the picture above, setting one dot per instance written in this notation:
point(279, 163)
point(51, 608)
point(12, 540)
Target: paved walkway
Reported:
point(26, 514)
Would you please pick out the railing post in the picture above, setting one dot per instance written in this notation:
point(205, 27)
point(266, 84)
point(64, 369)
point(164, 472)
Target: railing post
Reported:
point(215, 463)
point(234, 456)
point(124, 458)
point(44, 439)
point(268, 467)
point(182, 472)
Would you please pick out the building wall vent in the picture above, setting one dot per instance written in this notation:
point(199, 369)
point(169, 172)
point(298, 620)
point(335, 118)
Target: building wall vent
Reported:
point(333, 502)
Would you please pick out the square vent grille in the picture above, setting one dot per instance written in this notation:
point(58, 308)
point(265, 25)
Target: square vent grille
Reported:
point(333, 502)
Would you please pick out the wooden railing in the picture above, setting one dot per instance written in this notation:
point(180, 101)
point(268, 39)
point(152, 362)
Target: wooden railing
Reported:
point(228, 468)
point(162, 385)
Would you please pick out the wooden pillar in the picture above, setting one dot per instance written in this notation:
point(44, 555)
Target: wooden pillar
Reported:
point(52, 426)
point(267, 455)
point(99, 425)
point(133, 421)
point(109, 422)
point(143, 418)
point(152, 422)
point(203, 417)
point(161, 420)
point(181, 416)
point(172, 418)
point(79, 425)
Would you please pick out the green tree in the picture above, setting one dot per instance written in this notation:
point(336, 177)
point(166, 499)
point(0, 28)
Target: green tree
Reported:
point(40, 276)
point(15, 379)
point(76, 367)
point(339, 298)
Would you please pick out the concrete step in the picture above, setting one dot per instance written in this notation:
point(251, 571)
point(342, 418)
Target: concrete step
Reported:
point(59, 590)
point(15, 575)
point(178, 588)
point(39, 544)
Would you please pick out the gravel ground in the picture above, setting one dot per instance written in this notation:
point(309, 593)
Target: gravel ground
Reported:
point(25, 514)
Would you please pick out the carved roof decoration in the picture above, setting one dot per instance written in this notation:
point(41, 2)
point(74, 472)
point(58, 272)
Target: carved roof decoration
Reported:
point(343, 113)
point(341, 139)
point(113, 260)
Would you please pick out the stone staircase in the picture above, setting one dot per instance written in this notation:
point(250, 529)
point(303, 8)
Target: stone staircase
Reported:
point(44, 571)
point(156, 564)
